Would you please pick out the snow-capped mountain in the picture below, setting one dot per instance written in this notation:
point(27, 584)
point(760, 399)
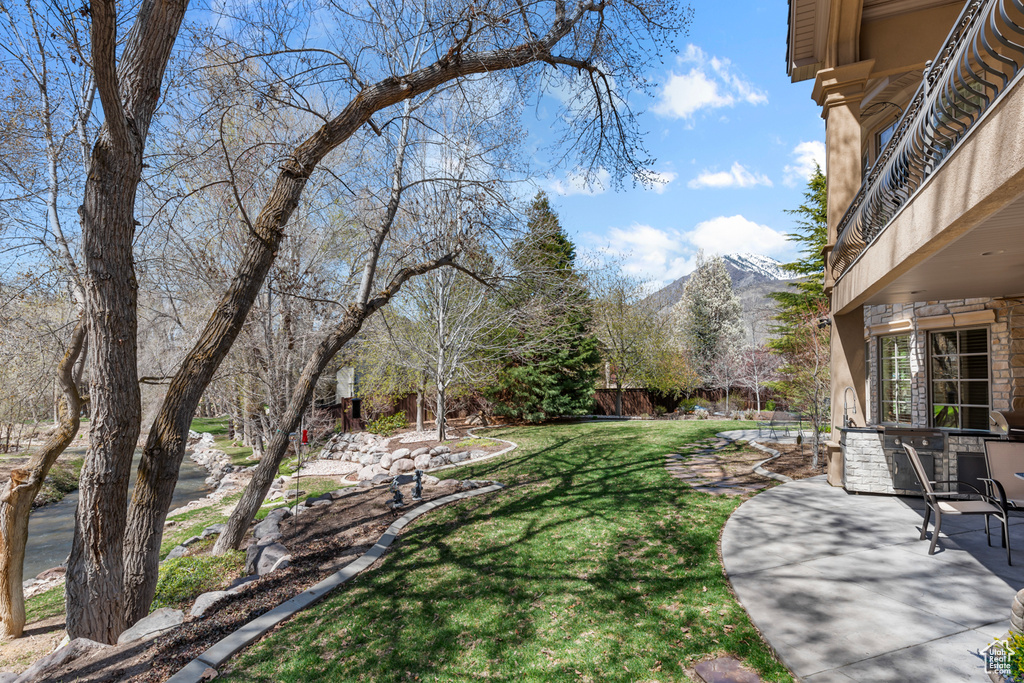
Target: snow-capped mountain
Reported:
point(758, 264)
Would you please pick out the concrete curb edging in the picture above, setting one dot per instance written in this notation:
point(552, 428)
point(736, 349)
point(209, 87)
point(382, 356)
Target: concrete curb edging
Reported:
point(512, 446)
point(759, 467)
point(222, 650)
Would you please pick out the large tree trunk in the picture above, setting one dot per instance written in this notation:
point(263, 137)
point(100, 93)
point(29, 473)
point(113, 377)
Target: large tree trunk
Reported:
point(129, 92)
point(419, 409)
point(618, 398)
point(439, 417)
point(21, 489)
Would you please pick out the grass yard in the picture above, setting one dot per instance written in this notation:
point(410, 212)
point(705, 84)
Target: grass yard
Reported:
point(593, 565)
point(218, 426)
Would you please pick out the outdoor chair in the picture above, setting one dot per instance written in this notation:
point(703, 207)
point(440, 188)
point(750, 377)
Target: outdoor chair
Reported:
point(986, 505)
point(1004, 460)
point(780, 421)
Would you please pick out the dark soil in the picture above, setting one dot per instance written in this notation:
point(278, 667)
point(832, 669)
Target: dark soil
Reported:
point(321, 540)
point(795, 461)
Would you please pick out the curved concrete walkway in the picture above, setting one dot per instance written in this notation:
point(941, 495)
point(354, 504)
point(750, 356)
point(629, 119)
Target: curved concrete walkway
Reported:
point(843, 590)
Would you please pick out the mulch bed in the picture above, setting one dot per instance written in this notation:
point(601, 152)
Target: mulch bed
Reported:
point(795, 461)
point(322, 541)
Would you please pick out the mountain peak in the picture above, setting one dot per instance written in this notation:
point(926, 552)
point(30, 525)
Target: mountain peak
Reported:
point(765, 266)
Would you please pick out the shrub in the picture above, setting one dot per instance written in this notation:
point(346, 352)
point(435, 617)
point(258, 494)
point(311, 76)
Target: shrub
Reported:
point(60, 480)
point(183, 579)
point(701, 414)
point(749, 414)
point(660, 410)
point(687, 405)
point(769, 406)
point(386, 426)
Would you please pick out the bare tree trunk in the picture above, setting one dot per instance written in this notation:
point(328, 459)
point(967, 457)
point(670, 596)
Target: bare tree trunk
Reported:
point(419, 409)
point(618, 398)
point(21, 489)
point(439, 418)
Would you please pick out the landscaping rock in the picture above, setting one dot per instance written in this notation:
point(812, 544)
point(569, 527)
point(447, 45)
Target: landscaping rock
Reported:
point(189, 541)
point(458, 457)
point(176, 552)
point(268, 539)
point(473, 455)
point(401, 453)
point(422, 461)
point(437, 461)
point(279, 514)
point(377, 469)
point(418, 452)
point(8, 677)
point(267, 526)
point(366, 473)
point(273, 556)
point(275, 495)
point(206, 601)
point(366, 459)
point(380, 479)
point(440, 450)
point(241, 582)
point(159, 621)
point(725, 670)
point(73, 650)
point(322, 503)
point(52, 573)
point(293, 494)
point(386, 461)
point(403, 465)
point(448, 482)
point(430, 480)
point(252, 554)
point(213, 530)
point(341, 493)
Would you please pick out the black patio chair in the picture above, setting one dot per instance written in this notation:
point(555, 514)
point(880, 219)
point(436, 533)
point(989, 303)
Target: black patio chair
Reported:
point(935, 502)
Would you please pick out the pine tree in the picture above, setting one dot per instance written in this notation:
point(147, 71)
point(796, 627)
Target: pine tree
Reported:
point(558, 380)
point(806, 296)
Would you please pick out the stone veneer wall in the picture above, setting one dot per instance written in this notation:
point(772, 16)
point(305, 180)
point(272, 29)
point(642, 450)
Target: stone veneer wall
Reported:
point(1006, 351)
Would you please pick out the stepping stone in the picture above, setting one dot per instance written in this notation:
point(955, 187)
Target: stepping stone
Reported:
point(725, 670)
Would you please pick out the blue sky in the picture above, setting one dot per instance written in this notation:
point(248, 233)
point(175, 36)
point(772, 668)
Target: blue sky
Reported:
point(734, 138)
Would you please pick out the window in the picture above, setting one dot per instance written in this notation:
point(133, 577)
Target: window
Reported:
point(886, 134)
point(960, 379)
point(894, 379)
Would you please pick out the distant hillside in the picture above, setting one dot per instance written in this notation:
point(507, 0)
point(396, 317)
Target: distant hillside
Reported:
point(753, 278)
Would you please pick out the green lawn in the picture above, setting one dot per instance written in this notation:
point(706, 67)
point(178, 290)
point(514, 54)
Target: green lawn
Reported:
point(594, 565)
point(218, 426)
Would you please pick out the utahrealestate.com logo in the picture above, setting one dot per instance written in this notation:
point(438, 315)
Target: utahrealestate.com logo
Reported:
point(1006, 657)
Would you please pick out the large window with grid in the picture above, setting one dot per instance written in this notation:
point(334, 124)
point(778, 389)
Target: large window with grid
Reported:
point(960, 379)
point(894, 379)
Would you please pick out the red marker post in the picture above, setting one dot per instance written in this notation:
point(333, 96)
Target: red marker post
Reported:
point(305, 436)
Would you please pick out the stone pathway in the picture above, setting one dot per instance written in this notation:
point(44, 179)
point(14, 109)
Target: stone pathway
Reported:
point(703, 469)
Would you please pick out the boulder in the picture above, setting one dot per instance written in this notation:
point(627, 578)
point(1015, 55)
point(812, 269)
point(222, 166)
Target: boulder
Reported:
point(189, 541)
point(213, 530)
point(159, 621)
point(437, 461)
point(279, 514)
point(176, 552)
point(292, 494)
point(439, 450)
point(268, 539)
point(458, 457)
point(52, 573)
point(321, 503)
point(206, 601)
point(448, 482)
point(241, 582)
point(252, 554)
point(377, 469)
point(418, 452)
point(422, 461)
point(273, 556)
point(367, 472)
point(429, 480)
point(401, 453)
point(379, 479)
point(267, 526)
point(342, 493)
point(403, 465)
point(473, 455)
point(386, 461)
point(366, 459)
point(58, 658)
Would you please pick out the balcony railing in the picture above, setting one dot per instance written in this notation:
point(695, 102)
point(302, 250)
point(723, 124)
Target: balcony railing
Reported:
point(978, 62)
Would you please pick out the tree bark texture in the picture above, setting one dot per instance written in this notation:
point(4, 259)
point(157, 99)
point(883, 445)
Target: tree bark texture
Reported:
point(129, 93)
point(21, 489)
point(257, 488)
point(165, 446)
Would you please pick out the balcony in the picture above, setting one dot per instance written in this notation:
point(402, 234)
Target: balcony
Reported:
point(947, 191)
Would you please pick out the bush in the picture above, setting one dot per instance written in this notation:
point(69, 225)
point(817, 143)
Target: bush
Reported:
point(183, 579)
point(60, 480)
point(701, 414)
point(687, 405)
point(660, 410)
point(769, 406)
point(749, 414)
point(386, 426)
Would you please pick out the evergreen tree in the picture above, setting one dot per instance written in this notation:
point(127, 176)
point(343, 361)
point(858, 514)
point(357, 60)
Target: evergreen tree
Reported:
point(559, 379)
point(710, 314)
point(806, 296)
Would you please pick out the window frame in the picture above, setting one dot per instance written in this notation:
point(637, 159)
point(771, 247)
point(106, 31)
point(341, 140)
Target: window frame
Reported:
point(881, 381)
point(931, 379)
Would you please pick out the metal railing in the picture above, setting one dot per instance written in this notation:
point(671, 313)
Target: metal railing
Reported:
point(977, 64)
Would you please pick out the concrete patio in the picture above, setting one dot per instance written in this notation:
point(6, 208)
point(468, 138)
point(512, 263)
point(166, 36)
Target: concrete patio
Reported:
point(842, 588)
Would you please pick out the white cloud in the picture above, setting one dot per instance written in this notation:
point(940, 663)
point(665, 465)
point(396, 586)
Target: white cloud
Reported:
point(709, 84)
point(577, 183)
point(737, 176)
point(662, 256)
point(805, 156)
point(732, 234)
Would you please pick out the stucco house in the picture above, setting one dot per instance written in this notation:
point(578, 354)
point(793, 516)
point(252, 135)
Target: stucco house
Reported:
point(924, 116)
